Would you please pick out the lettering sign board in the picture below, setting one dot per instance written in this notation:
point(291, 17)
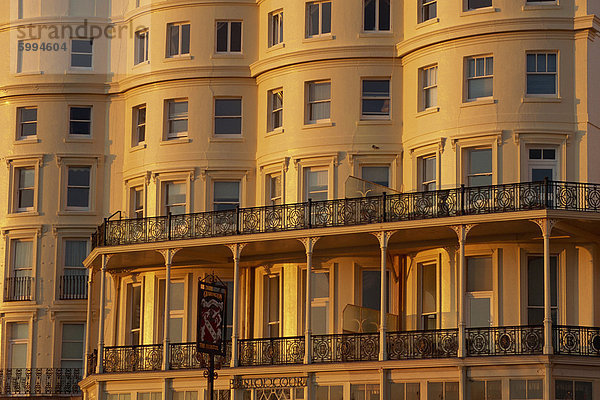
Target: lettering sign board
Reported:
point(212, 304)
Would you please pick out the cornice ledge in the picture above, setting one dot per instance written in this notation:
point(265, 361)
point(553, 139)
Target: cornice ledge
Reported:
point(482, 28)
point(590, 21)
point(320, 54)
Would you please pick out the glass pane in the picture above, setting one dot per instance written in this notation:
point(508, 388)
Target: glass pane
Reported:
point(176, 193)
point(317, 181)
point(28, 114)
point(494, 390)
point(78, 197)
point(81, 113)
point(484, 180)
point(79, 128)
point(369, 15)
point(273, 283)
point(228, 126)
point(412, 391)
point(371, 289)
point(26, 177)
point(236, 37)
point(178, 126)
point(451, 391)
point(479, 274)
point(379, 175)
point(320, 285)
point(482, 87)
point(539, 174)
point(174, 39)
point(397, 391)
point(222, 36)
point(429, 169)
point(480, 161)
point(549, 154)
point(176, 330)
point(185, 39)
point(541, 84)
point(477, 389)
point(518, 389)
point(357, 392)
point(428, 301)
point(431, 97)
point(25, 198)
point(479, 3)
point(326, 10)
point(72, 350)
point(319, 91)
point(583, 390)
point(319, 320)
point(479, 311)
point(227, 192)
point(73, 332)
point(319, 111)
point(564, 390)
point(29, 129)
point(177, 295)
point(435, 390)
point(313, 19)
point(136, 301)
point(19, 331)
point(535, 389)
point(384, 15)
point(551, 66)
point(178, 109)
point(81, 60)
point(228, 107)
point(535, 154)
point(23, 256)
point(79, 176)
point(531, 63)
point(18, 356)
point(81, 46)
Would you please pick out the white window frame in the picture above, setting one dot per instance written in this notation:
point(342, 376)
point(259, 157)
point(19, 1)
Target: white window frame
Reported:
point(425, 86)
point(90, 121)
point(266, 297)
point(10, 342)
point(21, 123)
point(377, 18)
point(213, 202)
point(88, 187)
point(62, 343)
point(16, 163)
point(271, 199)
point(170, 52)
point(138, 126)
point(307, 171)
point(363, 98)
point(556, 73)
point(273, 110)
point(422, 162)
point(141, 46)
point(467, 7)
point(543, 163)
point(422, 6)
point(229, 37)
point(26, 234)
point(486, 75)
point(84, 67)
point(129, 330)
point(468, 173)
point(422, 314)
point(310, 103)
point(66, 161)
point(168, 176)
point(165, 195)
point(389, 174)
point(307, 24)
point(137, 211)
point(232, 116)
point(175, 117)
point(276, 28)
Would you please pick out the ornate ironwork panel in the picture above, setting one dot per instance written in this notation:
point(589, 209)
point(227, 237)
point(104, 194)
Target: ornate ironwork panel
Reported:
point(576, 340)
point(345, 347)
point(146, 357)
point(40, 381)
point(440, 343)
point(186, 356)
point(271, 351)
point(504, 340)
point(92, 362)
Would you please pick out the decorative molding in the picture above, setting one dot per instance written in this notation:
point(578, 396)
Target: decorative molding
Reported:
point(462, 231)
point(332, 157)
point(545, 224)
point(106, 258)
point(309, 243)
point(534, 134)
point(38, 158)
point(497, 135)
point(383, 237)
point(38, 229)
point(236, 249)
point(440, 143)
point(61, 157)
point(168, 254)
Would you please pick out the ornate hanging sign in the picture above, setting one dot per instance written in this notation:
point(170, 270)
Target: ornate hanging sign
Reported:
point(212, 312)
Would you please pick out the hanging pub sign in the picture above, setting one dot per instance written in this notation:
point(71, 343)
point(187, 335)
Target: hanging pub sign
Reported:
point(212, 304)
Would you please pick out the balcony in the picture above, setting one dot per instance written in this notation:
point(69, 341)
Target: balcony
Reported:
point(356, 347)
point(18, 288)
point(40, 381)
point(551, 195)
point(73, 287)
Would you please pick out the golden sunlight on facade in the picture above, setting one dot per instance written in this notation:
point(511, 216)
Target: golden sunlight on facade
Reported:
point(401, 196)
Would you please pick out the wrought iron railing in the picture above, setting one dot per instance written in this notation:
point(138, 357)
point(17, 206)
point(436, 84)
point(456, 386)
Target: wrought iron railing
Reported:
point(505, 340)
point(92, 362)
point(356, 211)
point(576, 340)
point(18, 288)
point(271, 351)
point(411, 345)
point(73, 287)
point(186, 356)
point(147, 357)
point(345, 347)
point(40, 381)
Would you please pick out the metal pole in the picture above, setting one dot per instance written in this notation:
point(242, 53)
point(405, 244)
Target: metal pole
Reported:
point(211, 377)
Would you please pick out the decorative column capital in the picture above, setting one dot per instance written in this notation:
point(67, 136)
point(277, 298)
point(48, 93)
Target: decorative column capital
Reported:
point(168, 254)
point(462, 231)
point(236, 249)
point(545, 224)
point(309, 243)
point(383, 237)
point(105, 259)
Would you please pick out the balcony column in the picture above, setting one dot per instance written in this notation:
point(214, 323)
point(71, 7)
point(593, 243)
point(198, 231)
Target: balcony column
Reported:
point(309, 244)
point(168, 256)
point(88, 322)
point(236, 249)
point(546, 226)
point(383, 237)
point(461, 232)
point(105, 259)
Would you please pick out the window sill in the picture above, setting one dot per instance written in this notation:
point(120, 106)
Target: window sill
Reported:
point(29, 73)
point(227, 138)
point(82, 71)
point(361, 122)
point(24, 214)
point(541, 99)
point(181, 57)
point(227, 55)
point(274, 132)
point(75, 139)
point(428, 111)
point(137, 147)
point(318, 38)
point(550, 5)
point(377, 34)
point(323, 124)
point(275, 47)
point(27, 140)
point(477, 11)
point(175, 141)
point(478, 102)
point(424, 24)
point(76, 212)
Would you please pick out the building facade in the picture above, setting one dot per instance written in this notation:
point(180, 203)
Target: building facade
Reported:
point(400, 196)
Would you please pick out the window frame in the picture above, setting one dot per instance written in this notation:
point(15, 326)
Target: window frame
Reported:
point(309, 103)
point(229, 38)
point(426, 87)
point(21, 123)
point(273, 111)
point(306, 172)
point(307, 24)
point(377, 27)
point(559, 306)
point(481, 294)
point(275, 28)
point(229, 116)
point(67, 161)
point(7, 325)
point(556, 74)
point(90, 121)
point(16, 163)
point(88, 186)
point(169, 53)
point(467, 171)
point(83, 342)
point(30, 235)
point(423, 315)
point(166, 207)
point(141, 44)
point(274, 200)
point(169, 118)
point(423, 4)
point(467, 6)
point(469, 79)
point(363, 166)
point(224, 180)
point(268, 323)
point(553, 164)
point(72, 53)
point(363, 98)
point(136, 137)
